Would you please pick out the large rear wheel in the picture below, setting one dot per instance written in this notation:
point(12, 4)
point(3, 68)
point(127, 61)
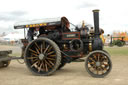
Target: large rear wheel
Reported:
point(63, 63)
point(42, 56)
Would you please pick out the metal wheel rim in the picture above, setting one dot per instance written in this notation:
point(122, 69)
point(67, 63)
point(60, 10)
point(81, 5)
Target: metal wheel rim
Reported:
point(105, 64)
point(47, 64)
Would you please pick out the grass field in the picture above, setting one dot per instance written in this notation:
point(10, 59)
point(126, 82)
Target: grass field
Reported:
point(117, 51)
point(114, 51)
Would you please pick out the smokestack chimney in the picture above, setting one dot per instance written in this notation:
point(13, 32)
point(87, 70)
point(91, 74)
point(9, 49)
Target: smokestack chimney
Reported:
point(96, 22)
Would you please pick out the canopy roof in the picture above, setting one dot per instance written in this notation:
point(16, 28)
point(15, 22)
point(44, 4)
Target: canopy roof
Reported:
point(41, 22)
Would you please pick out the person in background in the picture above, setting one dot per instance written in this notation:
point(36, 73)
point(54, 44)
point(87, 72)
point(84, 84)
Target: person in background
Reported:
point(102, 36)
point(91, 31)
point(31, 33)
point(42, 31)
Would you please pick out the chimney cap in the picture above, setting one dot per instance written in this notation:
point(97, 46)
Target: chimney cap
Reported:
point(96, 10)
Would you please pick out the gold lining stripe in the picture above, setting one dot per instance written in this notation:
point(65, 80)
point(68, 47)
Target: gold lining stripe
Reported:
point(27, 26)
point(45, 24)
point(36, 25)
point(30, 26)
point(41, 24)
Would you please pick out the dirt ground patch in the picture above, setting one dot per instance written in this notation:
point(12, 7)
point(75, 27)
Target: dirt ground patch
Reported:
point(72, 74)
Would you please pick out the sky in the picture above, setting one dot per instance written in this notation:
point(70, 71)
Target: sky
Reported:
point(113, 13)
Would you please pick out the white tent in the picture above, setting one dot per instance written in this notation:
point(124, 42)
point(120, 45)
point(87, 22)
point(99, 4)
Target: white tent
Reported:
point(13, 37)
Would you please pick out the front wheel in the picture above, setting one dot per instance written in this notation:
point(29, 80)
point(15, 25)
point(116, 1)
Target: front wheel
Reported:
point(98, 64)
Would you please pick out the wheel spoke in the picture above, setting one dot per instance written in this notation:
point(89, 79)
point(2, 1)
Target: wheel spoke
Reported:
point(34, 54)
point(50, 58)
point(40, 67)
point(35, 60)
point(48, 64)
point(34, 64)
point(97, 70)
point(92, 59)
point(95, 57)
point(46, 67)
point(37, 50)
point(98, 57)
point(46, 49)
point(94, 67)
point(105, 64)
point(105, 60)
point(102, 71)
point(104, 68)
point(43, 45)
point(32, 51)
point(50, 53)
point(37, 46)
point(102, 58)
point(38, 62)
point(91, 62)
point(49, 48)
point(51, 63)
point(43, 66)
point(41, 48)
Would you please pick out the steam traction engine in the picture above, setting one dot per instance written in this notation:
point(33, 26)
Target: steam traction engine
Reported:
point(57, 45)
